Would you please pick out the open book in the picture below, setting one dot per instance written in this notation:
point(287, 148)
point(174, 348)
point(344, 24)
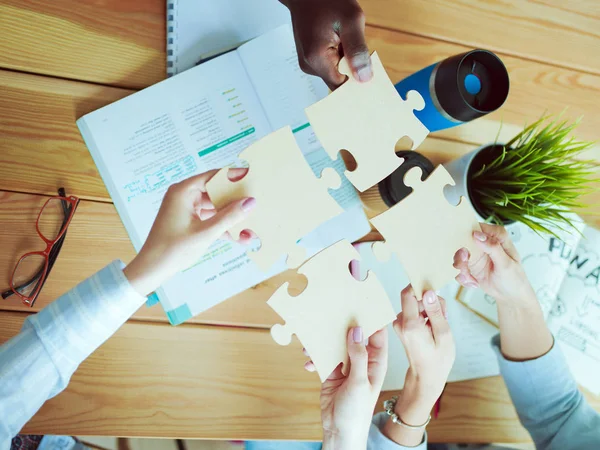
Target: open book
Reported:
point(200, 120)
point(200, 29)
point(565, 273)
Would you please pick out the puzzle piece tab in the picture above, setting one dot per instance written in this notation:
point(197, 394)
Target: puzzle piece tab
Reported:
point(425, 231)
point(291, 201)
point(367, 119)
point(332, 303)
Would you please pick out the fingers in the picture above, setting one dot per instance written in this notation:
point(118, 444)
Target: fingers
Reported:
point(310, 366)
point(461, 262)
point(377, 350)
point(236, 173)
point(435, 313)
point(500, 233)
point(493, 248)
point(323, 61)
point(230, 215)
point(359, 357)
point(196, 181)
point(246, 236)
point(354, 45)
point(410, 304)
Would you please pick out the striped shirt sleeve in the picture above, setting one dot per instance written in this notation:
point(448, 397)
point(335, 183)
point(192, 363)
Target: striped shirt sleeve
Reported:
point(38, 363)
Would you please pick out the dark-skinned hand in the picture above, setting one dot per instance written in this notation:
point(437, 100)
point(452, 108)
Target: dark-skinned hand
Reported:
point(327, 30)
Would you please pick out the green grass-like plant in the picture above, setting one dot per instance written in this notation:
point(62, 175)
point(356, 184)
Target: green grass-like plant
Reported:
point(537, 178)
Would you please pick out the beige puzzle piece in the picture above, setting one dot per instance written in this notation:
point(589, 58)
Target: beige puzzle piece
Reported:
point(291, 201)
point(425, 231)
point(367, 119)
point(332, 303)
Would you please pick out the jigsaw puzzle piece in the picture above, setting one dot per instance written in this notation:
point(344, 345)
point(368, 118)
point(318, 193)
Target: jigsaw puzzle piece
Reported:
point(367, 120)
point(332, 302)
point(291, 201)
point(425, 230)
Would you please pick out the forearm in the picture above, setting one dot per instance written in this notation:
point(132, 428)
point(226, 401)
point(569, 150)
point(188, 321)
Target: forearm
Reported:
point(38, 363)
point(548, 401)
point(524, 334)
point(334, 441)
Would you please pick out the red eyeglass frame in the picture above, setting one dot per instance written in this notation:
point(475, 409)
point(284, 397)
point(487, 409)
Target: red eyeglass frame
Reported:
point(28, 299)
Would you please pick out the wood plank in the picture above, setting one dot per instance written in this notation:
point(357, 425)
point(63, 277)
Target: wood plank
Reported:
point(41, 148)
point(187, 381)
point(116, 42)
point(234, 384)
point(553, 31)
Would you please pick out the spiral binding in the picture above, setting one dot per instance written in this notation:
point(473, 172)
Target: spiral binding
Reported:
point(172, 11)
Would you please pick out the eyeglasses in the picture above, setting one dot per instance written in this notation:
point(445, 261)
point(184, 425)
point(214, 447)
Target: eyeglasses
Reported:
point(33, 268)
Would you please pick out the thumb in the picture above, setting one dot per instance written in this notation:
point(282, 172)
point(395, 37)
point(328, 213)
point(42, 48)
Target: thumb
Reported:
point(359, 358)
point(355, 48)
point(230, 215)
point(493, 248)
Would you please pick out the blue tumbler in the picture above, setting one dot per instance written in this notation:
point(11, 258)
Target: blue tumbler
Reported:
point(458, 89)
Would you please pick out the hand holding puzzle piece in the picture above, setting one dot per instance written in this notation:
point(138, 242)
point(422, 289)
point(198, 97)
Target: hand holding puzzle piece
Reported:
point(367, 119)
point(290, 201)
point(332, 303)
point(425, 231)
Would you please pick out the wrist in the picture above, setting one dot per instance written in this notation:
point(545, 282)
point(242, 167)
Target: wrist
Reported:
point(143, 273)
point(354, 440)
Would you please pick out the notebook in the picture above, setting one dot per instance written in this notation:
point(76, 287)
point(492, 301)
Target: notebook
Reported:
point(565, 273)
point(200, 29)
point(202, 119)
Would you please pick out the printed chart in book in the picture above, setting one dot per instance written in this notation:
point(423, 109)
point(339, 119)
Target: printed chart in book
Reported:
point(565, 273)
point(200, 29)
point(201, 120)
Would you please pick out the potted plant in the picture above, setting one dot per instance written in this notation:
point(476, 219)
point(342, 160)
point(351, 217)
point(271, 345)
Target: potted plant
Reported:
point(535, 178)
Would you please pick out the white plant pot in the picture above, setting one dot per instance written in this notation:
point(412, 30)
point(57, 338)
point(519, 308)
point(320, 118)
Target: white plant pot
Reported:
point(459, 170)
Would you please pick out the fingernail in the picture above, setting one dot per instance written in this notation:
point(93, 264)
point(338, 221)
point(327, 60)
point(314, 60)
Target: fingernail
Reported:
point(308, 365)
point(480, 236)
point(471, 284)
point(365, 73)
point(244, 234)
point(462, 279)
point(248, 204)
point(357, 335)
point(464, 256)
point(430, 297)
point(446, 314)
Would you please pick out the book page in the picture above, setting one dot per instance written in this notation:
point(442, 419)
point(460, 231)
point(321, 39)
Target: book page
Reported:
point(203, 28)
point(544, 271)
point(575, 319)
point(199, 120)
point(285, 91)
point(475, 357)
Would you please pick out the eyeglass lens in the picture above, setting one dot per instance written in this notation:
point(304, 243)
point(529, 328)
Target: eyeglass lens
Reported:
point(28, 274)
point(51, 219)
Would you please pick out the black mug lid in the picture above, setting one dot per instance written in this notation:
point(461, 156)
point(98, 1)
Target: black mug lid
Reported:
point(470, 85)
point(392, 188)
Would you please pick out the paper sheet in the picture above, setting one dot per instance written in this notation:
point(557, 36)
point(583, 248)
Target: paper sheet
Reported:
point(200, 29)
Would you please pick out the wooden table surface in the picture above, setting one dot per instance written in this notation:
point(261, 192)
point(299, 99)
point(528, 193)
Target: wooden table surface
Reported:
point(221, 376)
